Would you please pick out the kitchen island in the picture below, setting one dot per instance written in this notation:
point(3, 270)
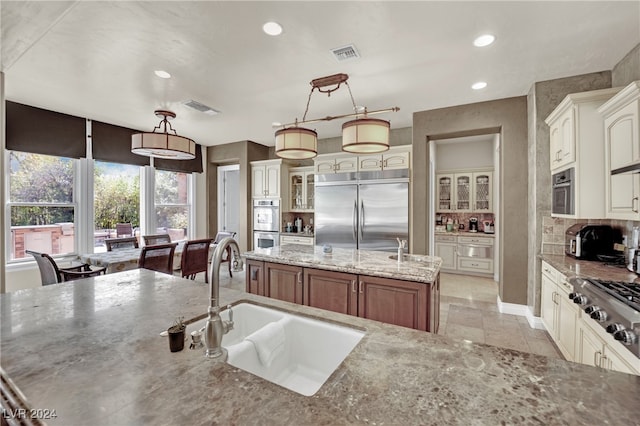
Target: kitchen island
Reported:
point(365, 283)
point(91, 351)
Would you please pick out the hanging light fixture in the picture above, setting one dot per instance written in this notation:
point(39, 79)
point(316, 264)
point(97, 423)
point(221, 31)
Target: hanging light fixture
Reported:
point(163, 144)
point(363, 135)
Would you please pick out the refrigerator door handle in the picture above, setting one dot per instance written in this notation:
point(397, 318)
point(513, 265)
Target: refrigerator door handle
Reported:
point(361, 220)
point(354, 228)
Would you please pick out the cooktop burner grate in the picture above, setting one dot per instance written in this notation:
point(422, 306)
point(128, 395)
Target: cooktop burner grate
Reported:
point(627, 292)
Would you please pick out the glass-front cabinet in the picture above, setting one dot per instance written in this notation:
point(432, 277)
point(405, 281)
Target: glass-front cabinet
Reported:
point(301, 189)
point(465, 191)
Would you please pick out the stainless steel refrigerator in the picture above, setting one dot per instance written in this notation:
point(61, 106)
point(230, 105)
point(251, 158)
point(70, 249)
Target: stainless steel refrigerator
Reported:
point(366, 210)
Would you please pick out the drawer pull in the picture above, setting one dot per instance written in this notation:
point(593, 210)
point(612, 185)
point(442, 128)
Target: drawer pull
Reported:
point(360, 288)
point(353, 286)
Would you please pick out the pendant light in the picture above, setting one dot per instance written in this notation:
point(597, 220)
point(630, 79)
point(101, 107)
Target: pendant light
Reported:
point(363, 135)
point(163, 144)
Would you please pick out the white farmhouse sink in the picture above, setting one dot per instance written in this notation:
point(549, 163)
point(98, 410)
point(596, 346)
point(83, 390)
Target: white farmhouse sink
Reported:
point(311, 352)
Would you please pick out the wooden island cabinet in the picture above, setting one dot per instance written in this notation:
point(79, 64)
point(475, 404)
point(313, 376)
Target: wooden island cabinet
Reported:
point(393, 301)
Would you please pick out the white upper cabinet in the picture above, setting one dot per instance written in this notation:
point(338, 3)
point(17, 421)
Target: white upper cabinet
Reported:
point(301, 189)
point(465, 191)
point(576, 140)
point(335, 163)
point(622, 149)
point(393, 159)
point(397, 157)
point(562, 140)
point(265, 178)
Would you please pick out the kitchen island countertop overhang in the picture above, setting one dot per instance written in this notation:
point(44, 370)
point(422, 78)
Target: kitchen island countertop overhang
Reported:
point(366, 262)
point(91, 351)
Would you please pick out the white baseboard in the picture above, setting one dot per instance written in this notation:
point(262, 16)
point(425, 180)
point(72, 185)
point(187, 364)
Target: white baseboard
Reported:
point(520, 310)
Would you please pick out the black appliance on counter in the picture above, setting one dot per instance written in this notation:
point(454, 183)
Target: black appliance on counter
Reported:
point(586, 242)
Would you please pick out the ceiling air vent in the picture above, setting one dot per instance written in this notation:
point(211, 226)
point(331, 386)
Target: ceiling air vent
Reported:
point(345, 53)
point(200, 107)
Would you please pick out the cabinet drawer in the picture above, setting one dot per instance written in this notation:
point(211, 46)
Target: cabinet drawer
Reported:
point(488, 241)
point(475, 251)
point(550, 271)
point(446, 238)
point(475, 265)
point(290, 239)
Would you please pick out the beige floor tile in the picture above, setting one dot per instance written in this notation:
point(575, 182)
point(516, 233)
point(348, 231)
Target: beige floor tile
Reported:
point(544, 347)
point(457, 331)
point(506, 339)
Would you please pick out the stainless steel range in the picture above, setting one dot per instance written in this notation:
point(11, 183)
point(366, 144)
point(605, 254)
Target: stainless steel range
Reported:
point(615, 305)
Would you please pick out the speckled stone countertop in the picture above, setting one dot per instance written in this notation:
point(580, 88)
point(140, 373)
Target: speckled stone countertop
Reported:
point(366, 262)
point(90, 350)
point(572, 267)
point(465, 234)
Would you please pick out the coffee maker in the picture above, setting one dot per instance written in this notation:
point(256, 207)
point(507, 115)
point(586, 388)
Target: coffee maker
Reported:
point(473, 224)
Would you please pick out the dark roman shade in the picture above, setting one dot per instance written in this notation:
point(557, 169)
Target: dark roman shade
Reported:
point(113, 144)
point(186, 166)
point(39, 131)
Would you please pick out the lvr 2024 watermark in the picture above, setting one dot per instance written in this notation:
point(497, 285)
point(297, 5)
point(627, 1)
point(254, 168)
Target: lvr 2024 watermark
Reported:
point(23, 413)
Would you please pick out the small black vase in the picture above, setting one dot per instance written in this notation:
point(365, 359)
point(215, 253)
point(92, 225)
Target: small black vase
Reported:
point(176, 340)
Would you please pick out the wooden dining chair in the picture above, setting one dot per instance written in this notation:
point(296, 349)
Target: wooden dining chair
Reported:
point(158, 257)
point(219, 237)
point(195, 258)
point(124, 230)
point(121, 243)
point(150, 240)
point(50, 273)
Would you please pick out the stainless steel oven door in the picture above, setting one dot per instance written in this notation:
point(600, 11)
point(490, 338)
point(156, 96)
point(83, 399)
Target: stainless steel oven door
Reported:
point(563, 192)
point(266, 215)
point(265, 239)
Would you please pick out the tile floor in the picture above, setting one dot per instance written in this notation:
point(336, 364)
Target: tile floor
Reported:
point(468, 310)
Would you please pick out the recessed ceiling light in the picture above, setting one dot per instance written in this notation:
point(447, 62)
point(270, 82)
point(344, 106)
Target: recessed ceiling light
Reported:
point(479, 85)
point(162, 74)
point(484, 40)
point(272, 28)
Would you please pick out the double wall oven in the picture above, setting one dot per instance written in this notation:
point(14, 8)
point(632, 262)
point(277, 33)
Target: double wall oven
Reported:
point(266, 223)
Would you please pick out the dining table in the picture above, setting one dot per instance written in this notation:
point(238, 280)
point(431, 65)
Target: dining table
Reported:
point(126, 259)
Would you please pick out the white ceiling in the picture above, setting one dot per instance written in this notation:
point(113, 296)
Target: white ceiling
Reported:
point(96, 59)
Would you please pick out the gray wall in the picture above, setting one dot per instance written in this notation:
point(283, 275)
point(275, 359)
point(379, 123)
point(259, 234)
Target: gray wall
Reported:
point(628, 69)
point(509, 118)
point(241, 153)
point(542, 99)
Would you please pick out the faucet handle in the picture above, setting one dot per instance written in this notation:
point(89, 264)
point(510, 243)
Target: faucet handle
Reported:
point(230, 313)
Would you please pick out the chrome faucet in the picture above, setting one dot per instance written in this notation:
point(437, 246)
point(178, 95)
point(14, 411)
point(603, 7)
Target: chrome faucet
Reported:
point(215, 327)
point(401, 244)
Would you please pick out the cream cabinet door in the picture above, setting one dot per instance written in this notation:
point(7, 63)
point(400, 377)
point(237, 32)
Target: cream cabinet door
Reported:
point(462, 183)
point(447, 251)
point(445, 192)
point(346, 164)
point(562, 140)
point(258, 181)
point(613, 361)
point(568, 314)
point(370, 162)
point(396, 160)
point(590, 347)
point(621, 144)
point(548, 305)
point(482, 192)
point(272, 185)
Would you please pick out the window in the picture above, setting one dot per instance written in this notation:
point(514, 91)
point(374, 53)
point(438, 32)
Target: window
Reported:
point(173, 203)
point(41, 204)
point(116, 200)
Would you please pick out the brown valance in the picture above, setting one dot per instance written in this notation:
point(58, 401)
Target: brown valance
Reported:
point(113, 143)
point(40, 131)
point(186, 166)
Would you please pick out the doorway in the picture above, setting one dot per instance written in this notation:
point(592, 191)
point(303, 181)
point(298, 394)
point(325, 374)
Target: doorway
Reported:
point(458, 155)
point(229, 199)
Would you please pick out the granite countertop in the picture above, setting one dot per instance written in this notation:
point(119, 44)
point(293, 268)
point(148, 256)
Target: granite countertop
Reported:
point(465, 234)
point(298, 234)
point(365, 262)
point(571, 267)
point(90, 350)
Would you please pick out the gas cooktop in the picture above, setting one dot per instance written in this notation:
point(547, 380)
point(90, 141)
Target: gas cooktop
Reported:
point(626, 292)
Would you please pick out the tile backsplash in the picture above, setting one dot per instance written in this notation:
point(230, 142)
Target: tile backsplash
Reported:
point(554, 228)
